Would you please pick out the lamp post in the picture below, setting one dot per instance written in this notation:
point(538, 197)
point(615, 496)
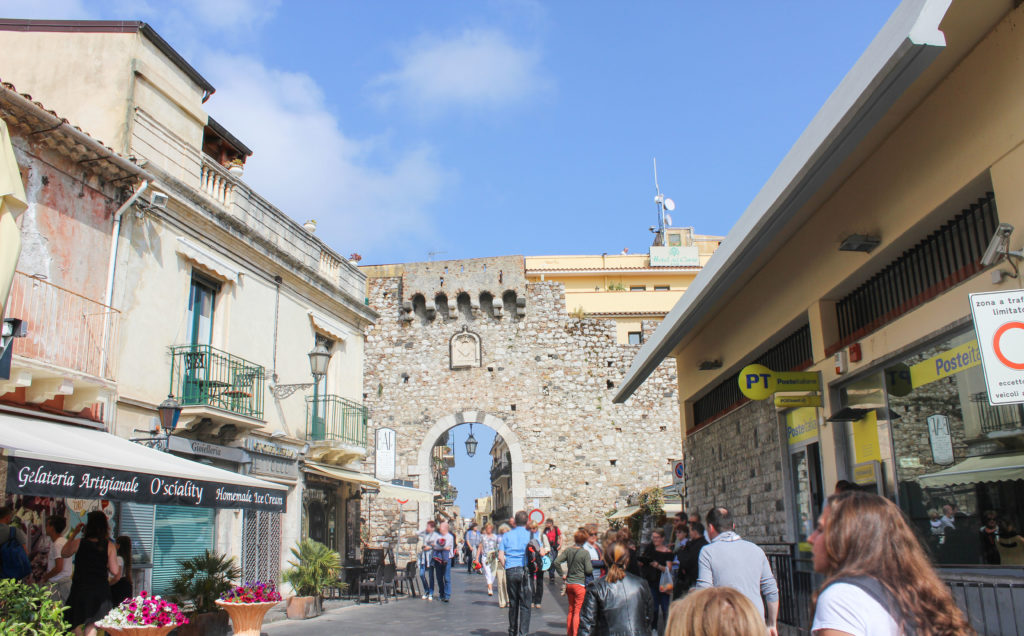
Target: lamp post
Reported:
point(471, 442)
point(170, 411)
point(319, 358)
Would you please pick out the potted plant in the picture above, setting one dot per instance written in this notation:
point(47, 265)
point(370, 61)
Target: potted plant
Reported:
point(314, 567)
point(236, 167)
point(28, 610)
point(143, 615)
point(200, 582)
point(247, 605)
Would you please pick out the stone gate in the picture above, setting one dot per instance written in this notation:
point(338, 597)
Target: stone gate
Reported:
point(472, 341)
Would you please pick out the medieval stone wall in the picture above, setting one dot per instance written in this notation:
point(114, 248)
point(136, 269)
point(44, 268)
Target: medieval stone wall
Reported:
point(736, 462)
point(547, 377)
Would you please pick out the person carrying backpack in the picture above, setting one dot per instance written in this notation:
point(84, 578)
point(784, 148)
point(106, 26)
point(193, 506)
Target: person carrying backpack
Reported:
point(554, 535)
point(537, 550)
point(13, 547)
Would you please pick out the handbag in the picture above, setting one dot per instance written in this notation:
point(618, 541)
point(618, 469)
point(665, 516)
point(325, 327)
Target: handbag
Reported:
point(665, 583)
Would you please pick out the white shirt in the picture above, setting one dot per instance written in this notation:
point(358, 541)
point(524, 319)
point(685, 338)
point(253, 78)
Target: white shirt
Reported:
point(592, 550)
point(51, 560)
point(849, 609)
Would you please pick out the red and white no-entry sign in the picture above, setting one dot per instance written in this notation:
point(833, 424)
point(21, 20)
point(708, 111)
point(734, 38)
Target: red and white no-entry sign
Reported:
point(999, 324)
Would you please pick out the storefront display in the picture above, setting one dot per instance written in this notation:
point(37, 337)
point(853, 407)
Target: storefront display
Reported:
point(954, 461)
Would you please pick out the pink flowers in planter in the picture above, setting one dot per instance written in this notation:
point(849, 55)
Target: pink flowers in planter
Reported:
point(252, 593)
point(144, 610)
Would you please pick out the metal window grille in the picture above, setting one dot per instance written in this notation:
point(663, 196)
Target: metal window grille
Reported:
point(261, 546)
point(947, 256)
point(791, 354)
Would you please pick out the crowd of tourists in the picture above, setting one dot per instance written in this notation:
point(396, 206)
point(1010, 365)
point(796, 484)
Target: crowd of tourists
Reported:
point(90, 574)
point(698, 577)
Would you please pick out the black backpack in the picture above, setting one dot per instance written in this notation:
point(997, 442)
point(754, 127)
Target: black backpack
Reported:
point(533, 558)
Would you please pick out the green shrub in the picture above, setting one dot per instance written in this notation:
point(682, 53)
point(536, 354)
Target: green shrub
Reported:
point(27, 610)
point(202, 579)
point(315, 567)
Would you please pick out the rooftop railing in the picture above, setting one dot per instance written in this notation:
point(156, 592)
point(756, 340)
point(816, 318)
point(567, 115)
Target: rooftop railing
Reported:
point(204, 376)
point(64, 328)
point(331, 418)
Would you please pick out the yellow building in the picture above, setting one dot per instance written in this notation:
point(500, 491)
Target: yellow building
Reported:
point(628, 288)
point(482, 512)
point(856, 263)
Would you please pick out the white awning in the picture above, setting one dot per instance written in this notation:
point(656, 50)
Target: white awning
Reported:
point(206, 258)
point(404, 494)
point(329, 327)
point(626, 512)
point(62, 460)
point(973, 470)
point(341, 474)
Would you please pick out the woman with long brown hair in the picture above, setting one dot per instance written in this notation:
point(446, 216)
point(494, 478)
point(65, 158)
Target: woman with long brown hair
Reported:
point(878, 579)
point(620, 603)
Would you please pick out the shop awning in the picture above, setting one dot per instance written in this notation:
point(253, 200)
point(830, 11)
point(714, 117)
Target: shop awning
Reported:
point(404, 494)
point(672, 509)
point(626, 512)
point(973, 470)
point(48, 459)
point(341, 474)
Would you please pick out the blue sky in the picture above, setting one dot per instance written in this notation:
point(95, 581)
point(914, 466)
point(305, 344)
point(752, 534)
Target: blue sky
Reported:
point(472, 476)
point(488, 127)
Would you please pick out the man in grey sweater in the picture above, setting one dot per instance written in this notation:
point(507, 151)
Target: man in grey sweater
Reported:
point(729, 561)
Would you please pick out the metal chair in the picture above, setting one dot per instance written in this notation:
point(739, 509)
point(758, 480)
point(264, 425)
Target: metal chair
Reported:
point(373, 559)
point(406, 578)
point(386, 581)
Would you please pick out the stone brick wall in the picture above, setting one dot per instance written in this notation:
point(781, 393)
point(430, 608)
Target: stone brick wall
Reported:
point(548, 377)
point(736, 462)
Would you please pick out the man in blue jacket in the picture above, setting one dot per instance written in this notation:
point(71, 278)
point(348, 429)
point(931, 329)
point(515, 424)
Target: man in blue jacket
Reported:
point(512, 554)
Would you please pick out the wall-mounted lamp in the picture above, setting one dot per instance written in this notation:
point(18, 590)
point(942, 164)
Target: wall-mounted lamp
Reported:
point(859, 243)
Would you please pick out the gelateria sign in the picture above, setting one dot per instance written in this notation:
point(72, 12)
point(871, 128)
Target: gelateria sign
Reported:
point(43, 478)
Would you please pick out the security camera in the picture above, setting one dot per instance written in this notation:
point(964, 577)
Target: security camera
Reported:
point(999, 245)
point(158, 200)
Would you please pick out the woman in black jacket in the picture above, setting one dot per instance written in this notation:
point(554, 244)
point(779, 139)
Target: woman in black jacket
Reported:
point(618, 604)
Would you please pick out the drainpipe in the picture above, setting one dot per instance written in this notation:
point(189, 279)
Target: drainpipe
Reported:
point(108, 298)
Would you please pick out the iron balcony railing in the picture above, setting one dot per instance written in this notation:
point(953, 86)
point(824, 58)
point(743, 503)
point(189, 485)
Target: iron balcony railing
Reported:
point(64, 328)
point(331, 418)
point(202, 375)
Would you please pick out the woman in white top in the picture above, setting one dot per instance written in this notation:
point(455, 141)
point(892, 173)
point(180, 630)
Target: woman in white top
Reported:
point(58, 569)
point(878, 579)
point(486, 553)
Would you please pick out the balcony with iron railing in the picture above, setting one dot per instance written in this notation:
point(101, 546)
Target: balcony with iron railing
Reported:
point(67, 347)
point(214, 384)
point(336, 429)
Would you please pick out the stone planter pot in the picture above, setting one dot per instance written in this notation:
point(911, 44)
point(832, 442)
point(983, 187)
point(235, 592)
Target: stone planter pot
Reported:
point(246, 618)
point(138, 631)
point(237, 171)
point(302, 607)
point(206, 624)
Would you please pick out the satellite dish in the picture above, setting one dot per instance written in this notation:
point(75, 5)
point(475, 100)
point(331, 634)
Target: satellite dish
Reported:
point(670, 204)
point(668, 220)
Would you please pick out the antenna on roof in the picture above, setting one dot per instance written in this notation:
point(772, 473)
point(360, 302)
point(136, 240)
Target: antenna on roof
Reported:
point(664, 203)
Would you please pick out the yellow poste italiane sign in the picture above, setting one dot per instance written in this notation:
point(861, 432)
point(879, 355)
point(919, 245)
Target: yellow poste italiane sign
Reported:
point(758, 382)
point(802, 425)
point(947, 363)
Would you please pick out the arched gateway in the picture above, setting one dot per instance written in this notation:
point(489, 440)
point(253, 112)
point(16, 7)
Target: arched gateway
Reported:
point(496, 424)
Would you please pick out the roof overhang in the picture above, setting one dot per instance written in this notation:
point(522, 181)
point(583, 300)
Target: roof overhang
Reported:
point(904, 48)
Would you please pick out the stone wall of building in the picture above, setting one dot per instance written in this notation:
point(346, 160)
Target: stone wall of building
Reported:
point(546, 377)
point(736, 462)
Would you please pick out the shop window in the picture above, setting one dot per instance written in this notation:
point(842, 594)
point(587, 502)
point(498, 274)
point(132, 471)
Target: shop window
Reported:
point(958, 461)
point(635, 337)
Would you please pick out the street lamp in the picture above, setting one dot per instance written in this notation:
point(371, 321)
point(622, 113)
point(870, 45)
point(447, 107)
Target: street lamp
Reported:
point(471, 442)
point(170, 411)
point(319, 358)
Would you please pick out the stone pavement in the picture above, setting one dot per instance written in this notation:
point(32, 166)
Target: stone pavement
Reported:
point(470, 612)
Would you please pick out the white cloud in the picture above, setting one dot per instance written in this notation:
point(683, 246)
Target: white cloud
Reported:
point(361, 192)
point(479, 68)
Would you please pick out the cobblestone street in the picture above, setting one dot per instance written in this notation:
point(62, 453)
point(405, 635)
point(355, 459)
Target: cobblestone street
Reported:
point(471, 611)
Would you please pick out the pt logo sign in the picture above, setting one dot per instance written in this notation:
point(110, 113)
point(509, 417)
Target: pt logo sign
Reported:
point(999, 324)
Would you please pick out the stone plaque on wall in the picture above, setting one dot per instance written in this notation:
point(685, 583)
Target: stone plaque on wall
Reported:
point(464, 349)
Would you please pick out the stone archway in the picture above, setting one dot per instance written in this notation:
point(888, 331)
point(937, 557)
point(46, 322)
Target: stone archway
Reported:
point(515, 451)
